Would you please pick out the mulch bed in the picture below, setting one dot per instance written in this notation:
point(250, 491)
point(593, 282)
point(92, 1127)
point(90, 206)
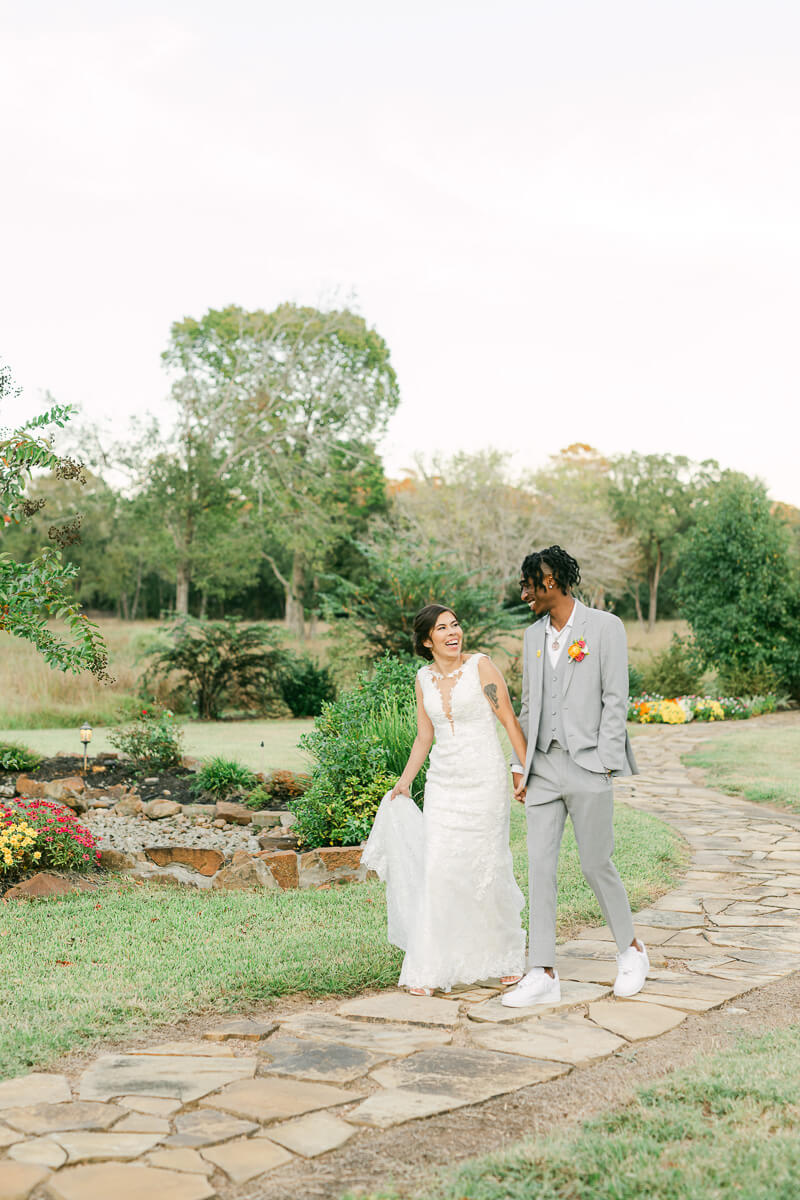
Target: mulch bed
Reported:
point(174, 783)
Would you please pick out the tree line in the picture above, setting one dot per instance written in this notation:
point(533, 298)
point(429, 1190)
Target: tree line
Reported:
point(265, 495)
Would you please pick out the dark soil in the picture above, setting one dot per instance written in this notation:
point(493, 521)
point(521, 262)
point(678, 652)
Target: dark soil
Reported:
point(106, 771)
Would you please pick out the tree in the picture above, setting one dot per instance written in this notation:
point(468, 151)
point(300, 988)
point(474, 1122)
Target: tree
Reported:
point(739, 589)
point(654, 498)
point(272, 396)
point(573, 510)
point(468, 506)
point(43, 586)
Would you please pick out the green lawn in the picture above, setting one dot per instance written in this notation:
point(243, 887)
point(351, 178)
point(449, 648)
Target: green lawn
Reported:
point(729, 1126)
point(99, 965)
point(761, 764)
point(240, 740)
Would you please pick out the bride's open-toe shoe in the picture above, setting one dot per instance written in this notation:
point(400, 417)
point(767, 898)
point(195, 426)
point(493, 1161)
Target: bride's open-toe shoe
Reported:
point(420, 991)
point(509, 980)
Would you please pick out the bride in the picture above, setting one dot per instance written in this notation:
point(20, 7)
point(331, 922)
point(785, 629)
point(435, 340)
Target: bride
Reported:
point(453, 903)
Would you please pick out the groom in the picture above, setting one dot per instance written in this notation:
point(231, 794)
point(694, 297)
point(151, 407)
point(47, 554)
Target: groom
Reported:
point(574, 708)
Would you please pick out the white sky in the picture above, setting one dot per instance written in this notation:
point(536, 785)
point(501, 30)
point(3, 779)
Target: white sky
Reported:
point(571, 221)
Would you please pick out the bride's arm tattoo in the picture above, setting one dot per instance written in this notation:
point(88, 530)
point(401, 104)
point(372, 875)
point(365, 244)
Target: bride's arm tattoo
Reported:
point(491, 693)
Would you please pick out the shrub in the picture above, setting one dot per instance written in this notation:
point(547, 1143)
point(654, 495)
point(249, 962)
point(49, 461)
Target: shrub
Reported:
point(278, 790)
point(673, 672)
point(60, 841)
point(305, 686)
point(381, 606)
point(635, 681)
point(16, 757)
point(153, 743)
point(223, 776)
point(220, 662)
point(360, 742)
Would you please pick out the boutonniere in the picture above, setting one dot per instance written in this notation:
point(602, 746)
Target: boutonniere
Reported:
point(578, 650)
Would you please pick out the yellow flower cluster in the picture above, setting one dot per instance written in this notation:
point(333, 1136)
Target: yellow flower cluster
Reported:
point(15, 841)
point(669, 711)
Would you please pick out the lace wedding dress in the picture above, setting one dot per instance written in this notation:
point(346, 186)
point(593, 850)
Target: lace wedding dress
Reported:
point(453, 903)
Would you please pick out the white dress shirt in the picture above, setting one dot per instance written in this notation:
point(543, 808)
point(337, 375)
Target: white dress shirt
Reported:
point(561, 636)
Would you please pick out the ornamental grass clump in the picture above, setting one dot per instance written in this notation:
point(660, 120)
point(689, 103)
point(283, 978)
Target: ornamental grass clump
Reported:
point(41, 833)
point(222, 777)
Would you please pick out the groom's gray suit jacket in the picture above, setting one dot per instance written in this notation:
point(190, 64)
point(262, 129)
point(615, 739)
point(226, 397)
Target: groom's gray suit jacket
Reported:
point(594, 699)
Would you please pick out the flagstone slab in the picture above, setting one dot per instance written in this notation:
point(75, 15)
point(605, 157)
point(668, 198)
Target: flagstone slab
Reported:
point(572, 994)
point(400, 1006)
point(319, 1062)
point(565, 1039)
point(393, 1039)
point(181, 1160)
point(474, 1074)
point(634, 1021)
point(41, 1152)
point(681, 904)
point(660, 918)
point(586, 970)
point(8, 1137)
point(17, 1180)
point(251, 1031)
point(775, 920)
point(751, 939)
point(205, 1127)
point(651, 934)
point(684, 1003)
point(276, 1099)
point(477, 994)
point(53, 1118)
point(246, 1158)
point(395, 1106)
point(314, 1134)
point(176, 1077)
point(142, 1123)
point(149, 1104)
point(123, 1181)
point(37, 1088)
point(100, 1147)
point(206, 1049)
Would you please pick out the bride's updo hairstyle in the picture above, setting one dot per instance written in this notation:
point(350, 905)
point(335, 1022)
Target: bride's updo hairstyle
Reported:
point(424, 622)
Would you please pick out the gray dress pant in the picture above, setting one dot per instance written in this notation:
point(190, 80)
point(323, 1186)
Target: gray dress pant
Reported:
point(557, 786)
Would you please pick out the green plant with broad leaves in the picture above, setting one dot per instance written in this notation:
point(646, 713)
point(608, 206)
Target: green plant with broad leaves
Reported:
point(16, 757)
point(43, 588)
point(220, 663)
point(360, 743)
point(153, 742)
point(223, 777)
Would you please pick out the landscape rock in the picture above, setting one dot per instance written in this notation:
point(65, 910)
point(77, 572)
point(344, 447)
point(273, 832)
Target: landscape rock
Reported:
point(43, 885)
point(236, 814)
point(199, 812)
point(206, 862)
point(156, 810)
point(283, 865)
point(117, 860)
point(266, 820)
point(246, 1028)
point(245, 872)
point(26, 786)
point(67, 791)
point(129, 806)
point(278, 839)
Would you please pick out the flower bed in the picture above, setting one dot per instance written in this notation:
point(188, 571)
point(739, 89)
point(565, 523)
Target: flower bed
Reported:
point(39, 833)
point(677, 710)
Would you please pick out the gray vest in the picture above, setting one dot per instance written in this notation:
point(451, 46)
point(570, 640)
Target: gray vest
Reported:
point(551, 725)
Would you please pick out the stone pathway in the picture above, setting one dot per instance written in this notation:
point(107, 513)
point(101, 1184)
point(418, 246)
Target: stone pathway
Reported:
point(190, 1120)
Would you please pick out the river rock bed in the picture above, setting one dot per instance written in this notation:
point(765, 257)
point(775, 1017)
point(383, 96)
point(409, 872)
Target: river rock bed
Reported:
point(129, 834)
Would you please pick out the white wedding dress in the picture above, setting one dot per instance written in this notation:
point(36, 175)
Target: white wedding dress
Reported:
point(453, 903)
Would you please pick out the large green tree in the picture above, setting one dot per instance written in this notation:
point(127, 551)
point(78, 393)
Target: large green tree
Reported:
point(271, 398)
point(654, 498)
point(740, 589)
point(40, 587)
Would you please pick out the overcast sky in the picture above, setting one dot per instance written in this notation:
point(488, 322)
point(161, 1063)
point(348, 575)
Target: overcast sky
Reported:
point(573, 221)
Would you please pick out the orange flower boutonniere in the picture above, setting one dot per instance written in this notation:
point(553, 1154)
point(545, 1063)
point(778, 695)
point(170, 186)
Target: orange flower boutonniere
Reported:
point(578, 650)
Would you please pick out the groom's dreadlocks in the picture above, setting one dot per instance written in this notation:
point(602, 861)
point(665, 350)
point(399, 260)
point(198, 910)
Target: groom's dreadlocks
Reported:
point(563, 566)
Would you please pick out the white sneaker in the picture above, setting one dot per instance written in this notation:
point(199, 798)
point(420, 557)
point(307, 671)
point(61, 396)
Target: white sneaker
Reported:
point(537, 987)
point(632, 968)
